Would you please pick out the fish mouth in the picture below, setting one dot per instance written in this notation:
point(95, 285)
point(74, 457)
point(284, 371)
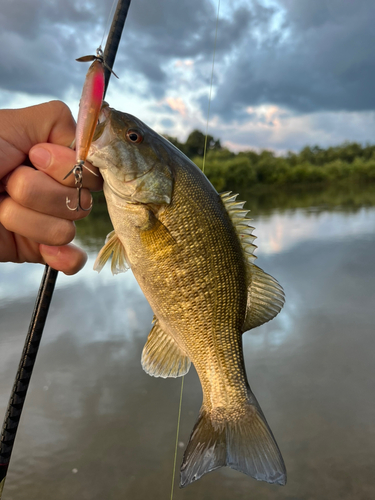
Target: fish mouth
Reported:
point(103, 116)
point(104, 112)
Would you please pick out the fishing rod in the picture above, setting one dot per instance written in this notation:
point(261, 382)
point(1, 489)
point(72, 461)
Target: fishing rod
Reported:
point(45, 293)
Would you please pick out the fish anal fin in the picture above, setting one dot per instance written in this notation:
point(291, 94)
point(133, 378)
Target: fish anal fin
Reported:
point(113, 247)
point(265, 298)
point(242, 441)
point(162, 357)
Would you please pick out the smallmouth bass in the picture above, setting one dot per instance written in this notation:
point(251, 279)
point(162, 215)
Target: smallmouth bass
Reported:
point(191, 251)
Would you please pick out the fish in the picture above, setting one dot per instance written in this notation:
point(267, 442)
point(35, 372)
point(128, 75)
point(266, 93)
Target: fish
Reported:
point(192, 252)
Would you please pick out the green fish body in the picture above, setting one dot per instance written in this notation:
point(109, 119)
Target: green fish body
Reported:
point(191, 251)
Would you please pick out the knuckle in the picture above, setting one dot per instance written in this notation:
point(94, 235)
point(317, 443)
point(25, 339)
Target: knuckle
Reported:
point(59, 106)
point(63, 233)
point(7, 213)
point(60, 109)
point(19, 186)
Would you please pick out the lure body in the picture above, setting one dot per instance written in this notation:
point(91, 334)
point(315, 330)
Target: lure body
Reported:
point(88, 115)
point(89, 109)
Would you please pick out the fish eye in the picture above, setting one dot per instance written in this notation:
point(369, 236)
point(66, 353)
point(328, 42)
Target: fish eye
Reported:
point(134, 136)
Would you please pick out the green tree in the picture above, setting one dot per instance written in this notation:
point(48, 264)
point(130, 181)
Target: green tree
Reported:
point(194, 145)
point(347, 162)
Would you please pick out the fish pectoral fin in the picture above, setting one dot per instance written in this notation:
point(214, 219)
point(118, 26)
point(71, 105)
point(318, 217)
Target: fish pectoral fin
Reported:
point(265, 298)
point(156, 237)
point(162, 357)
point(113, 247)
point(240, 439)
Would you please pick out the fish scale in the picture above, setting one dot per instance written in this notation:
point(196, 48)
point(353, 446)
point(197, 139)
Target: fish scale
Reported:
point(191, 251)
point(223, 323)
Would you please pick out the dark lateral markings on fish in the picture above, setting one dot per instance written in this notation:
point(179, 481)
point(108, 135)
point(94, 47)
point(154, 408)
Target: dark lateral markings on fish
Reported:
point(192, 253)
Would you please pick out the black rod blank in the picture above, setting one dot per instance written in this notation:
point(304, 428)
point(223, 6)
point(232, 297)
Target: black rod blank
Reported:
point(114, 37)
point(44, 297)
point(25, 369)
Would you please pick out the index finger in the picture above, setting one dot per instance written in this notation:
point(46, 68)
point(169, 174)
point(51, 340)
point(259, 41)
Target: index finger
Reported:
point(57, 161)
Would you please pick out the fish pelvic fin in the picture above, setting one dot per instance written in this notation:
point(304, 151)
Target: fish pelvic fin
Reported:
point(244, 443)
point(161, 356)
point(113, 247)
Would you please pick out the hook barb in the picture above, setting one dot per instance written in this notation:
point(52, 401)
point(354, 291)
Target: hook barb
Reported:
point(78, 206)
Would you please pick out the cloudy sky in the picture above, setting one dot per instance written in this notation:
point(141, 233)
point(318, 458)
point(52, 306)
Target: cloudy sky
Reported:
point(287, 72)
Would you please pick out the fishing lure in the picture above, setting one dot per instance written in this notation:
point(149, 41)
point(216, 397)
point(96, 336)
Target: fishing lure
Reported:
point(88, 115)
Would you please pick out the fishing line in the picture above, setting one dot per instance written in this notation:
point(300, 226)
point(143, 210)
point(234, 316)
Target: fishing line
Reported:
point(177, 433)
point(204, 160)
point(107, 25)
point(209, 99)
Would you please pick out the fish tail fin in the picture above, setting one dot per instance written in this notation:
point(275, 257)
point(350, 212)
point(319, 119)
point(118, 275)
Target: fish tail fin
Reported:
point(243, 443)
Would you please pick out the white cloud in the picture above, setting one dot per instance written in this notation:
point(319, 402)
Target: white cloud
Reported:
point(272, 127)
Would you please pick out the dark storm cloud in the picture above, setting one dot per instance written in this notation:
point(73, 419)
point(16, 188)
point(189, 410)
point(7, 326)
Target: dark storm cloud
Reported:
point(317, 55)
point(161, 31)
point(41, 39)
point(320, 57)
point(185, 28)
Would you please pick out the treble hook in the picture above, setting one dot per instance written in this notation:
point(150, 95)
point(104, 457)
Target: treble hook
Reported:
point(99, 57)
point(77, 172)
point(89, 110)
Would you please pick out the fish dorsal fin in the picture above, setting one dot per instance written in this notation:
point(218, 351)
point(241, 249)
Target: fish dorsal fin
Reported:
point(161, 356)
point(241, 224)
point(113, 247)
point(265, 296)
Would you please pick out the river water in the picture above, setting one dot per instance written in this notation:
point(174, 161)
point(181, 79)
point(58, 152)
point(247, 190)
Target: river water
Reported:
point(95, 426)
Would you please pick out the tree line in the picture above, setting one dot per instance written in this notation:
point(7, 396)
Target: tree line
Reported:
point(226, 170)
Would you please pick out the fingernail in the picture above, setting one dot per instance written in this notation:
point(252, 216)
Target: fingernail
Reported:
point(40, 157)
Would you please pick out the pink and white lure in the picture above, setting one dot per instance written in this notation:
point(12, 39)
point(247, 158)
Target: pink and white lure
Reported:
point(88, 115)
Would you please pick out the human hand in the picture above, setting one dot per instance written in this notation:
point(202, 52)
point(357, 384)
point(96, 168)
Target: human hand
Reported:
point(35, 223)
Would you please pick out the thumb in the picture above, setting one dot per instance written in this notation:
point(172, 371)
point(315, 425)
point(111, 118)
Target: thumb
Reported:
point(68, 258)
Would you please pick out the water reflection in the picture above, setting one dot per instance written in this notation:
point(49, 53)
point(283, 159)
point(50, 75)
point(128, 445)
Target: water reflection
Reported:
point(282, 230)
point(96, 426)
